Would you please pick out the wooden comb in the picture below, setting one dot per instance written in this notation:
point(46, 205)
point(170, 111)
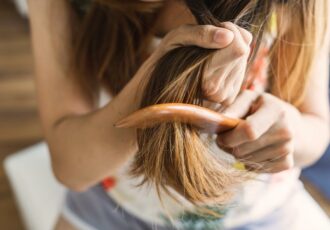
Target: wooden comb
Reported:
point(203, 118)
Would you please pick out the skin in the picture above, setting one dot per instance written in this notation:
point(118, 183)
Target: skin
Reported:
point(274, 130)
point(105, 147)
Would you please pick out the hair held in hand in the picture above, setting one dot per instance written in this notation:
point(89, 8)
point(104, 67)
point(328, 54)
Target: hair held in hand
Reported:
point(174, 155)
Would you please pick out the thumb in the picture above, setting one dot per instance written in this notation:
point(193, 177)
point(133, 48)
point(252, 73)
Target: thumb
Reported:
point(241, 106)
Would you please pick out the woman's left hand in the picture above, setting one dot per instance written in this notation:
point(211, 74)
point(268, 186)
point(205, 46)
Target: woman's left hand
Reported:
point(264, 140)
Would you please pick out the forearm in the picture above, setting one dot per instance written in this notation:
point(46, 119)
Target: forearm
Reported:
point(312, 124)
point(311, 137)
point(87, 148)
point(312, 140)
point(84, 145)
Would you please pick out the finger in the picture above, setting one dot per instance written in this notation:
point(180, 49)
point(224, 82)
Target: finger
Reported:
point(282, 164)
point(238, 48)
point(212, 85)
point(247, 36)
point(242, 39)
point(234, 83)
point(270, 153)
point(275, 135)
point(237, 89)
point(206, 36)
point(215, 88)
point(225, 148)
point(241, 105)
point(255, 125)
point(238, 81)
point(264, 116)
point(229, 88)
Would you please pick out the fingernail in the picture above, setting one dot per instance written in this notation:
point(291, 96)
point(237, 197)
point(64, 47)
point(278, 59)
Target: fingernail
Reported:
point(223, 36)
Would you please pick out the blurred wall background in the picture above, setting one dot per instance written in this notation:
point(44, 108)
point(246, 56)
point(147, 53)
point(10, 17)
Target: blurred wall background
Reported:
point(19, 124)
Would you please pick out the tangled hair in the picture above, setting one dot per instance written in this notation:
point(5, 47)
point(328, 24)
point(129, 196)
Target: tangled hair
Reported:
point(111, 45)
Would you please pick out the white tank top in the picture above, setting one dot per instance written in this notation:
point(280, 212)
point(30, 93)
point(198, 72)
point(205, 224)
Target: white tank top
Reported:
point(256, 199)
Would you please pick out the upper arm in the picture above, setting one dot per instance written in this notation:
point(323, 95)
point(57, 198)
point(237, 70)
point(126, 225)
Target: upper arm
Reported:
point(58, 94)
point(316, 101)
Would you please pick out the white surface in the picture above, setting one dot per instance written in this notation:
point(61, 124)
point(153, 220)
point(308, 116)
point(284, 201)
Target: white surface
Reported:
point(22, 7)
point(39, 196)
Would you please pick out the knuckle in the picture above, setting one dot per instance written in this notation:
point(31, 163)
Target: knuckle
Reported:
point(250, 132)
point(286, 164)
point(213, 92)
point(217, 97)
point(228, 144)
point(285, 149)
point(170, 36)
point(226, 102)
point(229, 101)
point(274, 170)
point(182, 29)
point(249, 36)
point(210, 88)
point(277, 169)
point(286, 134)
point(230, 95)
point(249, 94)
point(241, 50)
point(228, 24)
point(222, 142)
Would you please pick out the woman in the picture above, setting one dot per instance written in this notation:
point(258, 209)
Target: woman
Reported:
point(278, 130)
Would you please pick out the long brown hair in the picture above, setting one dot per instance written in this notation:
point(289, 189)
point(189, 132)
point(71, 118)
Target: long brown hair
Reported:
point(173, 154)
point(111, 44)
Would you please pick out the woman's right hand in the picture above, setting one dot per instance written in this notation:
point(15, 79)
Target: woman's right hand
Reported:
point(224, 76)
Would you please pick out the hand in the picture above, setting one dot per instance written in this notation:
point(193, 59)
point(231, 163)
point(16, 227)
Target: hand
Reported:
point(264, 141)
point(225, 74)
